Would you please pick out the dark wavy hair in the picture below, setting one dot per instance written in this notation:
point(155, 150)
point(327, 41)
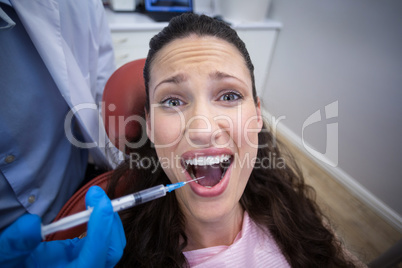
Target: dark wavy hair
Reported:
point(276, 199)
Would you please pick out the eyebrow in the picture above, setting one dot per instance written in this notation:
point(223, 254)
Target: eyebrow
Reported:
point(177, 79)
point(221, 75)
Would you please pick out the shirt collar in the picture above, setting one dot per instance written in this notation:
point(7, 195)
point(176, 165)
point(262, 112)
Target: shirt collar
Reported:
point(6, 21)
point(7, 2)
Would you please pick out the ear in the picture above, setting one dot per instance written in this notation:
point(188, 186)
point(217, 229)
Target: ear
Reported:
point(149, 126)
point(259, 116)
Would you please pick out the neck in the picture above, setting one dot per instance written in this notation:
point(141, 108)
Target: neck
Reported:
point(209, 234)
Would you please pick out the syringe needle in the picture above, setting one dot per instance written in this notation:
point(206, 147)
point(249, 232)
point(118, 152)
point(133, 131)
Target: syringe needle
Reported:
point(177, 185)
point(196, 179)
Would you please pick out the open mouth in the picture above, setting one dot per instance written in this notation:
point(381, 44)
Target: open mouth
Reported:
point(213, 168)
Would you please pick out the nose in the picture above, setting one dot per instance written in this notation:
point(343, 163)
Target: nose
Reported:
point(202, 129)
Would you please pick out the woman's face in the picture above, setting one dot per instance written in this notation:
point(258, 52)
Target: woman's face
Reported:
point(204, 123)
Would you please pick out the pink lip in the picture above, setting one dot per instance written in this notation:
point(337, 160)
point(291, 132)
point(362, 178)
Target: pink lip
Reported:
point(219, 188)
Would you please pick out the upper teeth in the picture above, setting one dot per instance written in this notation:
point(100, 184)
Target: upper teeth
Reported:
point(207, 160)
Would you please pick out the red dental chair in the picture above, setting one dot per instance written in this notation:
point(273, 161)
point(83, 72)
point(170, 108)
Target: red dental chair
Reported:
point(124, 95)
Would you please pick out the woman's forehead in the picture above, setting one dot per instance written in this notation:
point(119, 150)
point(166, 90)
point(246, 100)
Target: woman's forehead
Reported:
point(203, 53)
point(196, 44)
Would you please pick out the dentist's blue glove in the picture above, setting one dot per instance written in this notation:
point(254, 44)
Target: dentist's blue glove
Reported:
point(19, 240)
point(20, 243)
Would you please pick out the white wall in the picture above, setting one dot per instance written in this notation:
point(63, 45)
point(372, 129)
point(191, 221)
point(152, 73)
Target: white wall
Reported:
point(350, 52)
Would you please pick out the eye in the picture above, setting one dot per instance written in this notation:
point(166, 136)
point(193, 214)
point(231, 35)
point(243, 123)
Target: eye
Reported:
point(172, 102)
point(231, 96)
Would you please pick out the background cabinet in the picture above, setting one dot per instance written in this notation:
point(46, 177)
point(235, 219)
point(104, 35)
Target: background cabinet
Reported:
point(131, 45)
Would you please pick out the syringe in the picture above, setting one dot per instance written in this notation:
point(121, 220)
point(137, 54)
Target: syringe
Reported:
point(118, 204)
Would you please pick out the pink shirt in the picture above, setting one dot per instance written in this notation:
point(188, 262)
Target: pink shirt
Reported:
point(251, 248)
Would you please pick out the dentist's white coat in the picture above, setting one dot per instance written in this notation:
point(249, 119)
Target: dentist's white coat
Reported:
point(58, 29)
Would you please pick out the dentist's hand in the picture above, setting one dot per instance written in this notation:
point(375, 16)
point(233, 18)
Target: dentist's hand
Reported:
point(20, 243)
point(19, 240)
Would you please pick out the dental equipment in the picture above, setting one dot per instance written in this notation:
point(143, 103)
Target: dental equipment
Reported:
point(118, 204)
